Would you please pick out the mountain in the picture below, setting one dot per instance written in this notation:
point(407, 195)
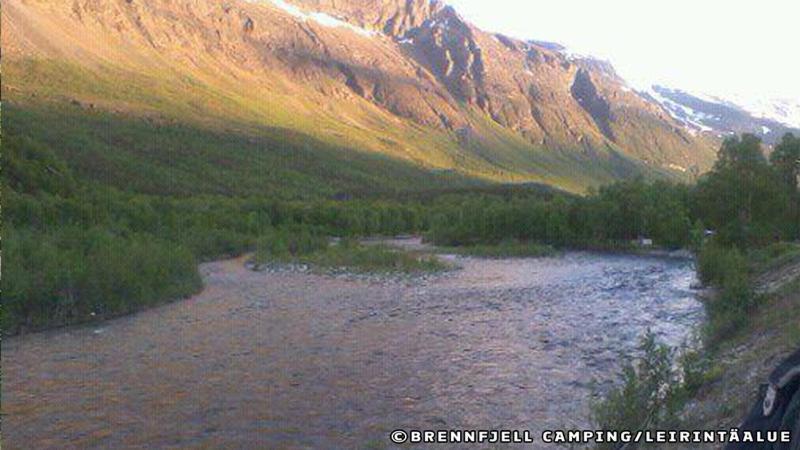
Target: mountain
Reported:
point(403, 80)
point(702, 113)
point(783, 110)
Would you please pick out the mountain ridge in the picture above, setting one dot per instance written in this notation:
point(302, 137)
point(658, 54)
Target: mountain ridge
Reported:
point(719, 116)
point(409, 79)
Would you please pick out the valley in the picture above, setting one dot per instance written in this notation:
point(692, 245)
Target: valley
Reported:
point(306, 223)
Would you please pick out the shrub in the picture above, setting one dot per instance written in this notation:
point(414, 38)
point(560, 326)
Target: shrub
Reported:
point(654, 389)
point(74, 274)
point(209, 243)
point(648, 397)
point(727, 270)
point(773, 256)
point(716, 263)
point(308, 245)
point(289, 243)
point(376, 259)
point(730, 310)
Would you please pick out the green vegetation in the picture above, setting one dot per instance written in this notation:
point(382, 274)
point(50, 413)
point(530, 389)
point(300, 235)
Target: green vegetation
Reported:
point(772, 257)
point(75, 274)
point(307, 246)
point(163, 157)
point(508, 248)
point(148, 245)
point(753, 206)
point(215, 123)
point(289, 244)
point(376, 259)
point(649, 397)
point(612, 217)
point(655, 389)
point(80, 250)
point(727, 269)
point(745, 198)
point(741, 362)
point(89, 191)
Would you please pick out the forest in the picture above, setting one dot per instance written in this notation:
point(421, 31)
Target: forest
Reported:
point(80, 250)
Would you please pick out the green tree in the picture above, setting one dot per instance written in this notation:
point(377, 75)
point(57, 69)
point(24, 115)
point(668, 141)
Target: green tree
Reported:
point(786, 160)
point(742, 197)
point(742, 153)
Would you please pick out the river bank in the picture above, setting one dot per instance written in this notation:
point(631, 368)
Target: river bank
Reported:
point(742, 362)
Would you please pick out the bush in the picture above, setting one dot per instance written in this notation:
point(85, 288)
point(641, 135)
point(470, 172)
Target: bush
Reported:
point(727, 270)
point(648, 398)
point(654, 389)
point(210, 243)
point(730, 310)
point(716, 263)
point(308, 245)
point(375, 259)
point(290, 243)
point(74, 275)
point(773, 256)
point(74, 247)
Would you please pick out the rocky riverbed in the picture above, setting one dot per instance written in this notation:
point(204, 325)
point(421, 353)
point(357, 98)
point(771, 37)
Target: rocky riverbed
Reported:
point(282, 359)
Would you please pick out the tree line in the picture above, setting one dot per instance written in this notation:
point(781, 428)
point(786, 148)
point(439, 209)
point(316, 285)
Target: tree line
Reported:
point(77, 250)
point(746, 200)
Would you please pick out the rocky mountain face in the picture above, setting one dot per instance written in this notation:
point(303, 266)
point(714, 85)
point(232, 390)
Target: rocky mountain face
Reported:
point(532, 88)
point(492, 105)
point(723, 117)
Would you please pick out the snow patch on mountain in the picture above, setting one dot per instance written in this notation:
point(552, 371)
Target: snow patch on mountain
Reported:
point(707, 113)
point(781, 110)
point(785, 111)
point(682, 113)
point(323, 19)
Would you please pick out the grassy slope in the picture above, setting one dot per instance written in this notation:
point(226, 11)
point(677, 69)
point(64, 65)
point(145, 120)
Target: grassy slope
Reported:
point(202, 123)
point(744, 361)
point(163, 133)
point(175, 159)
point(568, 169)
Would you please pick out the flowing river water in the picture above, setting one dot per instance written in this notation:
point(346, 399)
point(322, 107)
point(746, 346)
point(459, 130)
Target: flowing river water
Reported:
point(292, 360)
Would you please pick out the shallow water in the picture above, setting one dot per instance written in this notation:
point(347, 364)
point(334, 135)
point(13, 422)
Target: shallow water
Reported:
point(286, 360)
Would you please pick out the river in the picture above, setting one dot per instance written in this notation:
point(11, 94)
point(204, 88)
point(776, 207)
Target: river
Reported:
point(292, 360)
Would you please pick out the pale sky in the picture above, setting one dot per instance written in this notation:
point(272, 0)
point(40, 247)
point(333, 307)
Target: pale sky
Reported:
point(734, 47)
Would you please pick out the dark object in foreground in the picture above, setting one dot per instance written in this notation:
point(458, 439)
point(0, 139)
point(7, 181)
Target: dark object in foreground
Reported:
point(777, 408)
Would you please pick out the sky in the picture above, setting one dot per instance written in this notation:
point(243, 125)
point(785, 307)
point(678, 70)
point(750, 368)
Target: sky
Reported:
point(741, 48)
